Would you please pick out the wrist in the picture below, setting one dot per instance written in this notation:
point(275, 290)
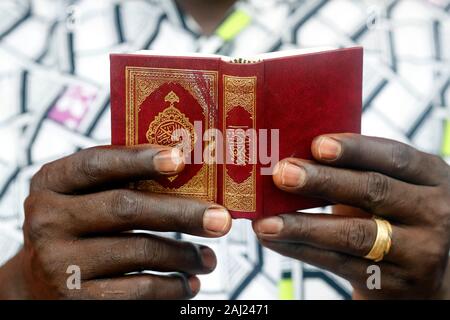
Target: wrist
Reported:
point(12, 282)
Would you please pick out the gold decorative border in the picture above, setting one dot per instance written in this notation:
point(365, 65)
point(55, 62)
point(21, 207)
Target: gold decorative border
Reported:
point(141, 82)
point(239, 92)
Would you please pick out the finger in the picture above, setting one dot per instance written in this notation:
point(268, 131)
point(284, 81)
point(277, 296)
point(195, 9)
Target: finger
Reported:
point(96, 167)
point(355, 270)
point(342, 210)
point(373, 192)
point(346, 266)
point(143, 287)
point(389, 157)
point(118, 255)
point(353, 236)
point(124, 210)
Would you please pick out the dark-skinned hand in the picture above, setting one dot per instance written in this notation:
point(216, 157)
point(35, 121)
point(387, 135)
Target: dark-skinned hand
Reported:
point(78, 213)
point(379, 177)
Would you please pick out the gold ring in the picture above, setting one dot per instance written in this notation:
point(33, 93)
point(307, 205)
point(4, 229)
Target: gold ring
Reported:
point(383, 241)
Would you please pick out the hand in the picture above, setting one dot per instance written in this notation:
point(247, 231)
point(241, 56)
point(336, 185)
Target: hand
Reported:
point(78, 213)
point(409, 188)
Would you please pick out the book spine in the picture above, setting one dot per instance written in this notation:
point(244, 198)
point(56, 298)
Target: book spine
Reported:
point(240, 119)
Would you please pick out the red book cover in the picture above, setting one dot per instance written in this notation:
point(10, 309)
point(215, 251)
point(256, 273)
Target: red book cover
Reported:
point(234, 119)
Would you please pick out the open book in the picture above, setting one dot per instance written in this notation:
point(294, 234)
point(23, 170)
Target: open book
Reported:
point(234, 118)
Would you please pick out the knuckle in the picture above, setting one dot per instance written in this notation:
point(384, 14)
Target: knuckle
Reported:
point(190, 253)
point(301, 226)
point(324, 178)
point(124, 205)
point(401, 157)
point(353, 234)
point(90, 164)
point(377, 189)
point(37, 223)
point(30, 205)
point(149, 251)
point(319, 180)
point(145, 289)
point(40, 178)
point(187, 216)
point(141, 249)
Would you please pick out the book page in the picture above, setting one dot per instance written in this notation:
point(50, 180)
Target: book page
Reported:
point(245, 59)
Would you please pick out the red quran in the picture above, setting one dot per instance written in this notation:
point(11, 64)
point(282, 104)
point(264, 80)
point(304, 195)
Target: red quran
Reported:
point(235, 118)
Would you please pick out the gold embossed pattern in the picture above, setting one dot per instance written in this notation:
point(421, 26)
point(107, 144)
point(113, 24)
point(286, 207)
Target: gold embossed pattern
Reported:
point(161, 130)
point(239, 92)
point(141, 82)
point(192, 189)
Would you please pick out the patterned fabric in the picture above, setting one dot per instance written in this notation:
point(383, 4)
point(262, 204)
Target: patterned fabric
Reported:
point(54, 95)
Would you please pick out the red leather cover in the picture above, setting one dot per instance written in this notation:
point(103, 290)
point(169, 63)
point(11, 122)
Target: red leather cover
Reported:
point(303, 96)
point(306, 96)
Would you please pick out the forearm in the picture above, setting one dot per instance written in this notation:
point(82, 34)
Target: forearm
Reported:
point(12, 284)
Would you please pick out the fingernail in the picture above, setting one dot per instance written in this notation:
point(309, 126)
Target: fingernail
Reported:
point(216, 220)
point(277, 168)
point(292, 175)
point(269, 226)
point(168, 161)
point(208, 258)
point(329, 149)
point(194, 285)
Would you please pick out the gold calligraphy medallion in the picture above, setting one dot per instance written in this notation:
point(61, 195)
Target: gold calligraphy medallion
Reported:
point(171, 127)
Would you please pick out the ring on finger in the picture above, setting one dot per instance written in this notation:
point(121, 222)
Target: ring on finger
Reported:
point(383, 241)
